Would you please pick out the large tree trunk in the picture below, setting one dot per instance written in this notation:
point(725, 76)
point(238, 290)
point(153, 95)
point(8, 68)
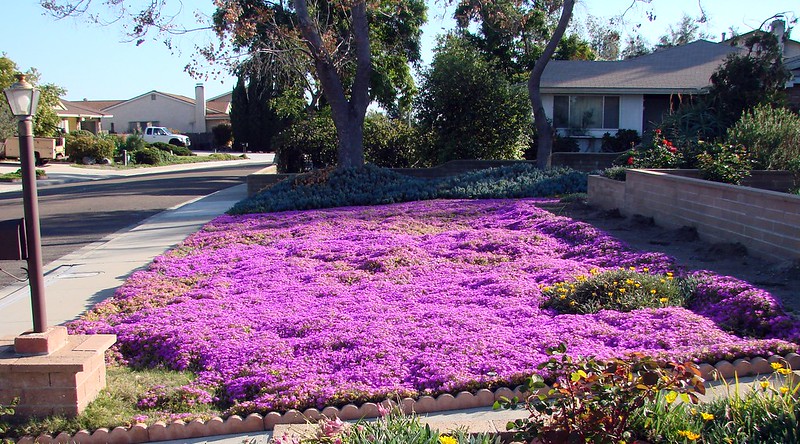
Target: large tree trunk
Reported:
point(348, 115)
point(544, 131)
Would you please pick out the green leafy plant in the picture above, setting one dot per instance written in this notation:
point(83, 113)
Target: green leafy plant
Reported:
point(83, 144)
point(624, 139)
point(392, 428)
point(724, 163)
point(621, 290)
point(223, 135)
point(594, 401)
point(391, 143)
point(151, 156)
point(768, 411)
point(307, 144)
point(370, 185)
point(174, 149)
point(615, 173)
point(770, 135)
point(17, 175)
point(658, 153)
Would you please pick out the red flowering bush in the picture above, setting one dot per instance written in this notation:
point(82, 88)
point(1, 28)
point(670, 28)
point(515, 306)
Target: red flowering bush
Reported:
point(659, 153)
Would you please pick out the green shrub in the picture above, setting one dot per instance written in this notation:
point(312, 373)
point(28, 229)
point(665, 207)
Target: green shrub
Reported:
point(390, 143)
point(615, 173)
point(770, 135)
point(470, 108)
point(151, 156)
point(371, 185)
point(595, 401)
point(223, 134)
point(308, 143)
point(174, 149)
point(620, 290)
point(660, 152)
point(82, 144)
point(133, 142)
point(623, 140)
point(724, 163)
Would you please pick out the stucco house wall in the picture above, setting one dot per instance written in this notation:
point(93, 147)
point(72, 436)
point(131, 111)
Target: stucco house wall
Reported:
point(156, 108)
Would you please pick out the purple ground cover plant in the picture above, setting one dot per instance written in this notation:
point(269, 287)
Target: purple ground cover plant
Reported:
point(313, 308)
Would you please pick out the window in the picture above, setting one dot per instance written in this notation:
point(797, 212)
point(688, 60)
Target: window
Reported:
point(586, 112)
point(152, 96)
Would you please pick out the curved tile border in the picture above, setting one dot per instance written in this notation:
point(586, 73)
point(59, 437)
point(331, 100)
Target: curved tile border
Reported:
point(255, 422)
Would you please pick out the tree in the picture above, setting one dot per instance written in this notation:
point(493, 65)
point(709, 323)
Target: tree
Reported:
point(604, 39)
point(240, 126)
point(329, 41)
point(471, 111)
point(685, 31)
point(635, 46)
point(746, 80)
point(45, 122)
point(544, 132)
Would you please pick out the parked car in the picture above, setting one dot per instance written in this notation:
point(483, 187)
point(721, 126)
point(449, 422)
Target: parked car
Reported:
point(153, 134)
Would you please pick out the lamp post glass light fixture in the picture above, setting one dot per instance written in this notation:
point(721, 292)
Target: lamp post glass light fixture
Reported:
point(23, 99)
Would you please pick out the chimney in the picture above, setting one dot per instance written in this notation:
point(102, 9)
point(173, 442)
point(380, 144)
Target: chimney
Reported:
point(778, 27)
point(724, 34)
point(199, 108)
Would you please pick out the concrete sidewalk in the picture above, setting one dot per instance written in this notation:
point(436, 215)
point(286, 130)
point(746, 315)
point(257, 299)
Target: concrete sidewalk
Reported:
point(79, 280)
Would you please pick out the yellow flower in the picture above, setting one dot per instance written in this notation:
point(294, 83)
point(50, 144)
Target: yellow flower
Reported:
point(572, 303)
point(764, 384)
point(784, 390)
point(563, 296)
point(621, 290)
point(645, 269)
point(663, 300)
point(688, 434)
point(663, 281)
point(611, 293)
point(671, 397)
point(637, 285)
point(706, 416)
point(632, 268)
point(444, 439)
point(776, 365)
point(784, 371)
point(669, 274)
point(653, 291)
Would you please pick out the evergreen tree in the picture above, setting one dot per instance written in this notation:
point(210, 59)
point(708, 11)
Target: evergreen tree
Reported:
point(239, 114)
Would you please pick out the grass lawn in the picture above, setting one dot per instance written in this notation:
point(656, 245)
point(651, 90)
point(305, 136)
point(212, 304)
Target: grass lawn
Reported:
point(323, 307)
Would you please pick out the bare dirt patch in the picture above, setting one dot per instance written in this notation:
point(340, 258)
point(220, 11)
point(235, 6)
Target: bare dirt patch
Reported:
point(782, 279)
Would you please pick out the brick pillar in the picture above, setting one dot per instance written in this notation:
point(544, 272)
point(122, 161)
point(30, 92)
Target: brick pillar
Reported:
point(47, 382)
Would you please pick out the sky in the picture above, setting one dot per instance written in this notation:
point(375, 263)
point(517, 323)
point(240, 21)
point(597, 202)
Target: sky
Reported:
point(95, 62)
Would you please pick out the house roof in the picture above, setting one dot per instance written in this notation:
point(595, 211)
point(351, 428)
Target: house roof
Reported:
point(681, 69)
point(67, 108)
point(217, 106)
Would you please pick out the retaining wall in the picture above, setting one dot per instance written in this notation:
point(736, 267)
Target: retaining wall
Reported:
point(764, 221)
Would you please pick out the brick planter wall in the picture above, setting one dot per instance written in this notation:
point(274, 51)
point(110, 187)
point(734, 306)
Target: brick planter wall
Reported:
point(766, 222)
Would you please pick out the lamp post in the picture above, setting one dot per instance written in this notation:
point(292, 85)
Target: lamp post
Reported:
point(23, 99)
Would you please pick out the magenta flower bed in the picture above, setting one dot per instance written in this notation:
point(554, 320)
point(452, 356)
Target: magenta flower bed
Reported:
point(315, 308)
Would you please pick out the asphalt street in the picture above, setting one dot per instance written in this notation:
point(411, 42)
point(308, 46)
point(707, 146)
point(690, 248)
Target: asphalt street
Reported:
point(74, 215)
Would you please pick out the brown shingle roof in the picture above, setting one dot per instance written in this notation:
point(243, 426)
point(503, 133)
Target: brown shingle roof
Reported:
point(99, 104)
point(681, 69)
point(80, 109)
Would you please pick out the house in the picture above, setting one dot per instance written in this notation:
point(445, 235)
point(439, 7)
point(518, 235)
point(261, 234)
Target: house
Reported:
point(79, 116)
point(586, 99)
point(156, 108)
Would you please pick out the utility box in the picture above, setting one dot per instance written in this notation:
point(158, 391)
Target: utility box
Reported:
point(12, 240)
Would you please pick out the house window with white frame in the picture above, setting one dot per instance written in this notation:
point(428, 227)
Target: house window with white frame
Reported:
point(586, 112)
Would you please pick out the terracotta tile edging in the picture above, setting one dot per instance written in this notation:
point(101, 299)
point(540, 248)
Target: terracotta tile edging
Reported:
point(255, 422)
